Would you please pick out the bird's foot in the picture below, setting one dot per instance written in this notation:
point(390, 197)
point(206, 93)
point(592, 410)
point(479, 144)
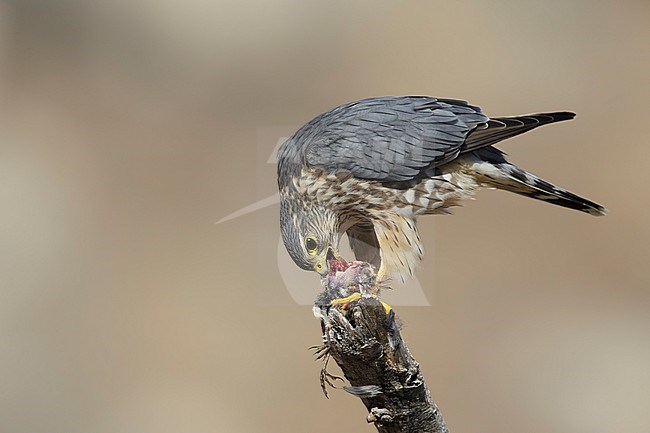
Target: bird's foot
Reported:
point(343, 302)
point(347, 282)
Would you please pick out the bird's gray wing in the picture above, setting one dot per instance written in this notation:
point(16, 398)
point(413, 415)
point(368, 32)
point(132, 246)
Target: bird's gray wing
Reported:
point(500, 128)
point(390, 139)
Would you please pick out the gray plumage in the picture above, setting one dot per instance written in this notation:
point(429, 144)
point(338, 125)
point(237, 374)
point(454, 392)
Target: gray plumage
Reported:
point(371, 167)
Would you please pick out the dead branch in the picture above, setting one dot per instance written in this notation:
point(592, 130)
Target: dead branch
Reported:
point(365, 342)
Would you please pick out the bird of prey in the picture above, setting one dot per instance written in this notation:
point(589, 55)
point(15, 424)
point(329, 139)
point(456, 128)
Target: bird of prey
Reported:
point(370, 168)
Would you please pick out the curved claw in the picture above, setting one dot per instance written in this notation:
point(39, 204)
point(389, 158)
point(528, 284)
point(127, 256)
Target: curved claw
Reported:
point(343, 302)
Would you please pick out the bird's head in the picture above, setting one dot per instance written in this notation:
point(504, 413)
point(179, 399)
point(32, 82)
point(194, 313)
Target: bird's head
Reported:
point(310, 234)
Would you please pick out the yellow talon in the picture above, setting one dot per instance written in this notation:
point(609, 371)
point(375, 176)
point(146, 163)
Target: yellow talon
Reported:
point(353, 297)
point(346, 300)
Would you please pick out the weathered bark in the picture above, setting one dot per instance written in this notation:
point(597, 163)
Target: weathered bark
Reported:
point(366, 343)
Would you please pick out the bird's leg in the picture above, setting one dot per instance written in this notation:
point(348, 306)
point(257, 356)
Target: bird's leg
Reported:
point(381, 276)
point(381, 279)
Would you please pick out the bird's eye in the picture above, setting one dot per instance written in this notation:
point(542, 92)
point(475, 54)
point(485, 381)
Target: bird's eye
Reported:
point(311, 245)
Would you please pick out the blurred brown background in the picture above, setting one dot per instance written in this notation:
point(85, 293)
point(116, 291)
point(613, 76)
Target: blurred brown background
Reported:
point(127, 129)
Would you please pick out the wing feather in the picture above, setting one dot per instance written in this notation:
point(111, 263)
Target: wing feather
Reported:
point(500, 128)
point(396, 139)
point(391, 138)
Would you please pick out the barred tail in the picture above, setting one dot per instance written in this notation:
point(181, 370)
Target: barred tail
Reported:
point(529, 185)
point(491, 169)
point(521, 182)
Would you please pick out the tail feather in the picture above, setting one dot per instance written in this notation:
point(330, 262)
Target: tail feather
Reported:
point(491, 169)
point(521, 182)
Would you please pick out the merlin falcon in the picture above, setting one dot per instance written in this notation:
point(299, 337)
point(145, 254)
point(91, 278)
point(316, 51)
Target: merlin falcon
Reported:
point(370, 168)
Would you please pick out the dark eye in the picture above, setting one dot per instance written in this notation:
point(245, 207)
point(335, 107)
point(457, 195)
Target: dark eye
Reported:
point(311, 245)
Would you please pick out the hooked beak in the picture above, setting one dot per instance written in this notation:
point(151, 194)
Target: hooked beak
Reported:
point(322, 266)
